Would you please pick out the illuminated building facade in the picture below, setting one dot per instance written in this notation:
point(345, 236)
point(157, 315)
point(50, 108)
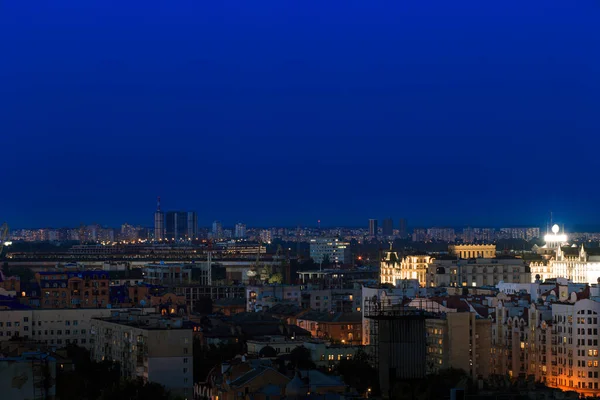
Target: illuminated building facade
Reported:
point(467, 251)
point(555, 339)
point(560, 262)
point(393, 270)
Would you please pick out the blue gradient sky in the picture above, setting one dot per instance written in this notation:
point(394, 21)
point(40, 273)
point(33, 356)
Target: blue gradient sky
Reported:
point(285, 112)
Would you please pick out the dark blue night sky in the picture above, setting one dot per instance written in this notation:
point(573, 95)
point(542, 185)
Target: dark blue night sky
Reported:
point(285, 112)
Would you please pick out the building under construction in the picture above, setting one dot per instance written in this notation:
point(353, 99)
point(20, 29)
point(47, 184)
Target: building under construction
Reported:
point(399, 338)
point(29, 376)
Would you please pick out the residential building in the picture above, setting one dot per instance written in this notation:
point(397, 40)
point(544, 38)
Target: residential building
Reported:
point(328, 355)
point(333, 250)
point(338, 278)
point(265, 236)
point(420, 235)
point(332, 300)
point(261, 298)
point(477, 272)
point(459, 340)
point(528, 233)
point(442, 234)
point(73, 289)
point(147, 346)
point(554, 339)
point(248, 379)
point(168, 274)
point(337, 327)
point(199, 297)
point(54, 327)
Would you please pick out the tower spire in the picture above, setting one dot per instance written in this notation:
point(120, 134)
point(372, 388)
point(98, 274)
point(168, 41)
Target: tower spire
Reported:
point(158, 204)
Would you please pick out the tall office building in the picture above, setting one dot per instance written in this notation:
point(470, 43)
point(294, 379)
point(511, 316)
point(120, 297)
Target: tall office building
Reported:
point(192, 225)
point(240, 230)
point(388, 227)
point(217, 230)
point(159, 222)
point(175, 225)
point(181, 225)
point(372, 227)
point(403, 231)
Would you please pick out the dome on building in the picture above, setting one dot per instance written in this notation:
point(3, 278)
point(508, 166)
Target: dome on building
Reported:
point(267, 352)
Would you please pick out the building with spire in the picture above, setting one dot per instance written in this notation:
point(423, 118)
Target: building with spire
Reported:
point(159, 222)
point(561, 260)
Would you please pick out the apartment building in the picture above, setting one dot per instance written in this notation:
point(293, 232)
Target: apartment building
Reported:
point(338, 327)
point(147, 345)
point(58, 327)
point(477, 272)
point(332, 300)
point(72, 289)
point(261, 298)
point(460, 340)
point(555, 340)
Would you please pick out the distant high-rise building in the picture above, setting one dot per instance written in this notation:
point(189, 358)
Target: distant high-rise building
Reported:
point(528, 233)
point(442, 234)
point(420, 235)
point(240, 230)
point(181, 225)
point(159, 222)
point(217, 230)
point(372, 227)
point(129, 232)
point(403, 232)
point(192, 225)
point(266, 236)
point(388, 227)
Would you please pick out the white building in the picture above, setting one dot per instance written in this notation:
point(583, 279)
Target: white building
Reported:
point(393, 270)
point(55, 327)
point(147, 346)
point(333, 249)
point(578, 268)
point(261, 298)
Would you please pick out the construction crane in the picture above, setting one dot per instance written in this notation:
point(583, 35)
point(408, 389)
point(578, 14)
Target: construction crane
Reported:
point(3, 236)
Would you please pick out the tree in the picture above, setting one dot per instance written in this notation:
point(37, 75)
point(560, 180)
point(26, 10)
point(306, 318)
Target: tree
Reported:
point(276, 278)
point(136, 390)
point(359, 374)
point(207, 357)
point(300, 358)
point(326, 261)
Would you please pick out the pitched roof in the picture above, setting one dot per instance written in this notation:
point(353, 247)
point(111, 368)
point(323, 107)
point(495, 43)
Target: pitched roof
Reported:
point(319, 316)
